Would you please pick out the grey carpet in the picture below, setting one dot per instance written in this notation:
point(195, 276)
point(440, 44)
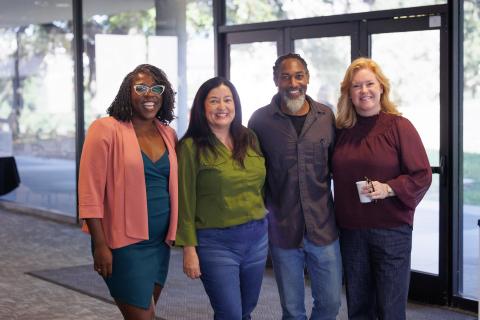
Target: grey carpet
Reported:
point(183, 298)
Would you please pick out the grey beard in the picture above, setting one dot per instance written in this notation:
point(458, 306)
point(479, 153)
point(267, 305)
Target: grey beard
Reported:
point(293, 105)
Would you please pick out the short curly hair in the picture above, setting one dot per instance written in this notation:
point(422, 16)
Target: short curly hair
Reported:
point(278, 63)
point(121, 107)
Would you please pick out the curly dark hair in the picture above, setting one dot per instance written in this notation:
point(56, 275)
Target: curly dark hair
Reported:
point(278, 63)
point(121, 107)
point(202, 135)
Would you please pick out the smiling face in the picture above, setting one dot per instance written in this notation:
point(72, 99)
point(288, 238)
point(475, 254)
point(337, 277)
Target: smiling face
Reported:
point(147, 105)
point(365, 92)
point(219, 108)
point(292, 82)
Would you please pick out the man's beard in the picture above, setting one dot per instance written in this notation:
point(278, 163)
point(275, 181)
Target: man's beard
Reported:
point(293, 105)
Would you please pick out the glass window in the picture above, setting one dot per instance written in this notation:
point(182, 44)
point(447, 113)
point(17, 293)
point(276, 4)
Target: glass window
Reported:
point(37, 115)
point(251, 11)
point(37, 118)
point(177, 39)
point(253, 80)
point(200, 51)
point(469, 277)
point(325, 56)
point(419, 101)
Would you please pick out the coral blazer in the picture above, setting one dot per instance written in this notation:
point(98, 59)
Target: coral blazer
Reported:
point(111, 184)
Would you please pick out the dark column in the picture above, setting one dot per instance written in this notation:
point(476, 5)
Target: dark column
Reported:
point(78, 74)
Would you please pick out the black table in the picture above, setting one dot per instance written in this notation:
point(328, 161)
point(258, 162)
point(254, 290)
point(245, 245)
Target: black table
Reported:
point(9, 178)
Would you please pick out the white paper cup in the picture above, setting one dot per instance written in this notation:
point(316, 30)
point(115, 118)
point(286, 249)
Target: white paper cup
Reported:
point(363, 198)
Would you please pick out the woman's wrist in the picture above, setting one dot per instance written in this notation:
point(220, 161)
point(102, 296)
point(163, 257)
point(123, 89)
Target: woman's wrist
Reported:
point(390, 192)
point(189, 249)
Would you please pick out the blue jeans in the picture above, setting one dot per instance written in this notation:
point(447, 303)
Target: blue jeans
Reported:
point(324, 267)
point(377, 272)
point(232, 262)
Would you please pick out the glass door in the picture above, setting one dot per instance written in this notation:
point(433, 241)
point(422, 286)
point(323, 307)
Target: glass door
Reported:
point(253, 80)
point(412, 50)
point(328, 51)
point(419, 101)
point(251, 57)
point(414, 71)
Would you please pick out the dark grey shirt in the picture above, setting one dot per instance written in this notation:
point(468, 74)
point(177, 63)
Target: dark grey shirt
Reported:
point(298, 194)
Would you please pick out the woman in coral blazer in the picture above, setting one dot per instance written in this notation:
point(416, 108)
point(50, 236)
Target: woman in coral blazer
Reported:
point(128, 191)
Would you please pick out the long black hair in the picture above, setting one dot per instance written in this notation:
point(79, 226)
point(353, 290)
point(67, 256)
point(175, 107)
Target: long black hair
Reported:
point(202, 135)
point(121, 107)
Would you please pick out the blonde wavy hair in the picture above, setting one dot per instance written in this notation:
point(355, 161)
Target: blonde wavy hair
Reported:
point(346, 115)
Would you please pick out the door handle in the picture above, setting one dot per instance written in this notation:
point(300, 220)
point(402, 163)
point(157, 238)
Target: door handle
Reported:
point(442, 168)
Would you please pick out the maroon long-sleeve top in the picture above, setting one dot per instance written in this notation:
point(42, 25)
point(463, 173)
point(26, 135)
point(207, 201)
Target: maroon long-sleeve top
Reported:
point(386, 148)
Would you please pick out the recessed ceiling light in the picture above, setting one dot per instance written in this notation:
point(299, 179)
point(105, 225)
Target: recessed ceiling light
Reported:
point(62, 5)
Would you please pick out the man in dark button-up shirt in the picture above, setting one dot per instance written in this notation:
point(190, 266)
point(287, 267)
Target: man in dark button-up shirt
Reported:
point(296, 135)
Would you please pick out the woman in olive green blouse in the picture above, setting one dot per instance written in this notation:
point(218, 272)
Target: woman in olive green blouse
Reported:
point(222, 225)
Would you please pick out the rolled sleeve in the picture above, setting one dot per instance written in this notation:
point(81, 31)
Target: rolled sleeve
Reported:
point(93, 172)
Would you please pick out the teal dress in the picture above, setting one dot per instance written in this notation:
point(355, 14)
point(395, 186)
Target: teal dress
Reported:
point(138, 267)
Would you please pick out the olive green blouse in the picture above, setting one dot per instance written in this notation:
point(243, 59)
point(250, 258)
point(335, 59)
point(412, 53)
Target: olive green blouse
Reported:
point(216, 192)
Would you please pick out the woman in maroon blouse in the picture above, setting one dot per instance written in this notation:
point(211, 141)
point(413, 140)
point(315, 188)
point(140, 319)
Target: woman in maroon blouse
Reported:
point(375, 141)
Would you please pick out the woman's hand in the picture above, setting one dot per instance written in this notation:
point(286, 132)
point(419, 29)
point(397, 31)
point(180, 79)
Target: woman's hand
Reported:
point(191, 265)
point(377, 190)
point(102, 255)
point(102, 260)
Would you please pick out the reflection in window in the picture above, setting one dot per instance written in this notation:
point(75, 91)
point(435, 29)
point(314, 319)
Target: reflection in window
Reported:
point(469, 277)
point(250, 11)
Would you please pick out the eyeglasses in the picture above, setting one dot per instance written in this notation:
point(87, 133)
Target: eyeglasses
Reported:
point(142, 89)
